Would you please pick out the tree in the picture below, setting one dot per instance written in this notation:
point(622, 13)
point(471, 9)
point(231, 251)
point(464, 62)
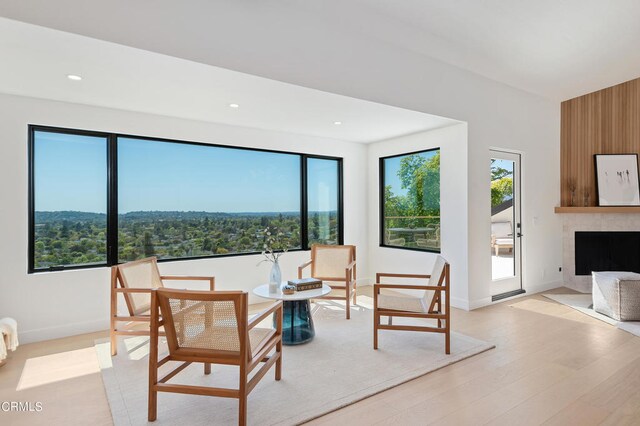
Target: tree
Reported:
point(501, 190)
point(64, 230)
point(206, 244)
point(148, 248)
point(421, 178)
point(498, 172)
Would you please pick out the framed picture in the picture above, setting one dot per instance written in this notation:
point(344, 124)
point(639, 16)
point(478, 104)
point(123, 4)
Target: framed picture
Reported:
point(617, 179)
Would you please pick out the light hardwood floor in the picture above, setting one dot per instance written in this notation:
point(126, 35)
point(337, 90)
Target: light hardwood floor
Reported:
point(552, 365)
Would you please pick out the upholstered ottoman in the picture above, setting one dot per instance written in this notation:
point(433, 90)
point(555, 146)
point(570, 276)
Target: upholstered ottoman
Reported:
point(617, 295)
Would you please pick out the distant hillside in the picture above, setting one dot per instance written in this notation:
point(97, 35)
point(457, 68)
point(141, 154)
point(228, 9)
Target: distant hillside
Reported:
point(71, 216)
point(197, 215)
point(76, 216)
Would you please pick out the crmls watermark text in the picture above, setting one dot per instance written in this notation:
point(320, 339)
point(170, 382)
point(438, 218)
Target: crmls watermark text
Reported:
point(19, 406)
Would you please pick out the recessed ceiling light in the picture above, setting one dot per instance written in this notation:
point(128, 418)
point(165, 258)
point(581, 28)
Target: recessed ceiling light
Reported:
point(337, 123)
point(234, 106)
point(74, 77)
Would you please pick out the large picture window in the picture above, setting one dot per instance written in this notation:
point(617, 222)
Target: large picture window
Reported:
point(180, 200)
point(410, 201)
point(323, 198)
point(70, 200)
point(101, 199)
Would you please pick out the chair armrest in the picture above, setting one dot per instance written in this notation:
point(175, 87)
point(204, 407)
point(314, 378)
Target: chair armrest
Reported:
point(384, 274)
point(263, 314)
point(134, 290)
point(301, 268)
point(212, 280)
point(378, 286)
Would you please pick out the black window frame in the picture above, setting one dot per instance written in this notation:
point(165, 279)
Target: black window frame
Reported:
point(112, 194)
point(381, 172)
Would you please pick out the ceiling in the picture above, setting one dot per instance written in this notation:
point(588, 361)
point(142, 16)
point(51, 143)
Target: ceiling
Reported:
point(37, 60)
point(558, 49)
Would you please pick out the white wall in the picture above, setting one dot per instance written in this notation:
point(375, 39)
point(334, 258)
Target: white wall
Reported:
point(55, 304)
point(452, 142)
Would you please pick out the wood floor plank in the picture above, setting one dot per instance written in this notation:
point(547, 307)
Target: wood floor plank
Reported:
point(543, 406)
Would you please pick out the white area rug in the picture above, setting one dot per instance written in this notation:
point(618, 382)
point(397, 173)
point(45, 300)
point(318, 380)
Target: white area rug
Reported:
point(338, 368)
point(584, 304)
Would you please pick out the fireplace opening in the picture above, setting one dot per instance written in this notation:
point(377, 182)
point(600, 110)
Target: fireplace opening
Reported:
point(607, 251)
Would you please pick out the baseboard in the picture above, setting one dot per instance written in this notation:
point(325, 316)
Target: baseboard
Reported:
point(56, 332)
point(460, 303)
point(480, 303)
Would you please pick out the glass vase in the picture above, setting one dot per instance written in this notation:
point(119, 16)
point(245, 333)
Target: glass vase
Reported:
point(275, 277)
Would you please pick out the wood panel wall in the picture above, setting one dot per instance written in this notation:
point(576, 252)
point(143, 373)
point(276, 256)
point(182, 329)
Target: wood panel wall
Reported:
point(602, 122)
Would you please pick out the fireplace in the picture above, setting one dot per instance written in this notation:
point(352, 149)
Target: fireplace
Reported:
point(607, 251)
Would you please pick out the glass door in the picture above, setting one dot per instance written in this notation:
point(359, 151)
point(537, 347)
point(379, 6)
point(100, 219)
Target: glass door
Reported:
point(506, 228)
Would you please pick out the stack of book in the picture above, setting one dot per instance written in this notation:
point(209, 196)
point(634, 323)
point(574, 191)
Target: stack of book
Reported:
point(305, 284)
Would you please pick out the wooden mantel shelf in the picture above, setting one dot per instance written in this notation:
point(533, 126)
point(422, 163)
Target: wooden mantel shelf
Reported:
point(598, 210)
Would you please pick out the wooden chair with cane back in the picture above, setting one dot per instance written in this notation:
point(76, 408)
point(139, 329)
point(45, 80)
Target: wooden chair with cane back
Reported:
point(336, 267)
point(430, 305)
point(135, 281)
point(212, 327)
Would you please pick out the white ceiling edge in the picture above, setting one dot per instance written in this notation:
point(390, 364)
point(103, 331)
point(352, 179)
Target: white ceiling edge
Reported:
point(36, 61)
point(555, 49)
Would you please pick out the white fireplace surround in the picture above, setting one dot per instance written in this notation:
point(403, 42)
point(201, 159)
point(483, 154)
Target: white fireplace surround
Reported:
point(572, 222)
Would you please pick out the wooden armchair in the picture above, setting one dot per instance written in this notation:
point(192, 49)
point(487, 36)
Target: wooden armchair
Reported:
point(135, 281)
point(212, 328)
point(431, 305)
point(336, 267)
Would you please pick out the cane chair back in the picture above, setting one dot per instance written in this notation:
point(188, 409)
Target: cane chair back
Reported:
point(192, 322)
point(142, 274)
point(329, 262)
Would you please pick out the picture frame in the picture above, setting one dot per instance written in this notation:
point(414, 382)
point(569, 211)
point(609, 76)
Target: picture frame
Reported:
point(617, 180)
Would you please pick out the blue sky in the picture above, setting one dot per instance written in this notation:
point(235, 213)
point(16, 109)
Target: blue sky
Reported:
point(322, 181)
point(392, 167)
point(166, 176)
point(70, 173)
point(153, 175)
point(505, 164)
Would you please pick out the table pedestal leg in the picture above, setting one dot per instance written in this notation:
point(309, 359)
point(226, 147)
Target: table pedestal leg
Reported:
point(297, 322)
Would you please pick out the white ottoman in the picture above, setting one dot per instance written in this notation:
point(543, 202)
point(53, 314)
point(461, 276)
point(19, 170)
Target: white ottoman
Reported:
point(617, 295)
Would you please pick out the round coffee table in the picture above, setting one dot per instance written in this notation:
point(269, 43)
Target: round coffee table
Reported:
point(297, 322)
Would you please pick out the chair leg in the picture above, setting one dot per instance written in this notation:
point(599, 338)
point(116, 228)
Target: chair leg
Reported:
point(114, 343)
point(242, 410)
point(207, 368)
point(153, 405)
point(348, 307)
point(447, 340)
point(390, 320)
point(376, 321)
point(354, 295)
point(279, 361)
